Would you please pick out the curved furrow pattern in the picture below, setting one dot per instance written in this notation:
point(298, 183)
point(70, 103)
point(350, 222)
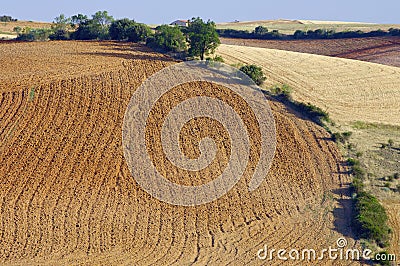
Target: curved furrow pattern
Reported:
point(68, 196)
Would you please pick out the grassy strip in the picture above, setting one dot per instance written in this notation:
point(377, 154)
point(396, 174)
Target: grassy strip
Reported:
point(314, 113)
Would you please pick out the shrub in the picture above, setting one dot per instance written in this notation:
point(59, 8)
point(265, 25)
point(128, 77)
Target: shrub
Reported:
point(28, 34)
point(391, 142)
point(169, 39)
point(384, 258)
point(342, 137)
point(217, 58)
point(358, 171)
point(396, 176)
point(357, 185)
point(254, 72)
point(60, 34)
point(371, 219)
point(314, 111)
point(283, 90)
point(352, 162)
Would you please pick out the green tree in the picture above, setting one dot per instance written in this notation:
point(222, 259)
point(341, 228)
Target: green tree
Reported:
point(76, 20)
point(62, 21)
point(60, 28)
point(138, 32)
point(169, 38)
point(91, 29)
point(260, 30)
point(203, 37)
point(102, 20)
point(254, 72)
point(120, 29)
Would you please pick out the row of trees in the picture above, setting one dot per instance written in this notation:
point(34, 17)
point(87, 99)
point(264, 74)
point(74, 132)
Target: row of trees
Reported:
point(5, 18)
point(199, 39)
point(263, 33)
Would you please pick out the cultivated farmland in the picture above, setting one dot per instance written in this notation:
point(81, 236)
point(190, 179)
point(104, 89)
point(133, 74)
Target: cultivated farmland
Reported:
point(67, 196)
point(349, 90)
point(360, 97)
point(290, 26)
point(382, 50)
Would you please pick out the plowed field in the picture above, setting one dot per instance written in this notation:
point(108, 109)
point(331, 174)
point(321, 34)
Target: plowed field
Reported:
point(67, 196)
point(382, 50)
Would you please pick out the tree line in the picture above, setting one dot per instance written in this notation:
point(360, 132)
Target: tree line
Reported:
point(198, 39)
point(5, 18)
point(263, 33)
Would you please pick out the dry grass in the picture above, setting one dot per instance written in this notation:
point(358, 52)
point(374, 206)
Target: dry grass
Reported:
point(349, 90)
point(67, 196)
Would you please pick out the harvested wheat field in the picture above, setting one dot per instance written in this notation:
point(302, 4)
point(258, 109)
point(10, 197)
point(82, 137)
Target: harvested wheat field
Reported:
point(67, 196)
point(382, 50)
point(348, 90)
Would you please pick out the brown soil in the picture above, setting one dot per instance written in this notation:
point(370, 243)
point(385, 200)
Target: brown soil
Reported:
point(67, 196)
point(382, 50)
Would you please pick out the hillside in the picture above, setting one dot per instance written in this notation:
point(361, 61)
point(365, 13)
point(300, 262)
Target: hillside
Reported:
point(67, 196)
point(360, 97)
point(6, 28)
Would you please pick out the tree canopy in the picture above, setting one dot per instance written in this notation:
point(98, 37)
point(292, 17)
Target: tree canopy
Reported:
point(168, 38)
point(203, 37)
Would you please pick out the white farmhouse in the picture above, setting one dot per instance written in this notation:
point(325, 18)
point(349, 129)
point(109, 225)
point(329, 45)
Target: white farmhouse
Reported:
point(180, 22)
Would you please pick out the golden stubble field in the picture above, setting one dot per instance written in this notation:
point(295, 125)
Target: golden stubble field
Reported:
point(353, 93)
point(67, 196)
point(349, 90)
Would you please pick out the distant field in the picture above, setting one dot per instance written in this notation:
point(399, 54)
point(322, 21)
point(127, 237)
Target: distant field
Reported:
point(383, 50)
point(6, 28)
point(290, 26)
point(349, 90)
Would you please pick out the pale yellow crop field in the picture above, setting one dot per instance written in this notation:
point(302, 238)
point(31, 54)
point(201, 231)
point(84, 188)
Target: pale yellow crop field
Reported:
point(348, 90)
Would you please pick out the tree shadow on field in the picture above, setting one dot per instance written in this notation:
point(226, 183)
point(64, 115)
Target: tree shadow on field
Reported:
point(293, 108)
point(344, 213)
point(129, 51)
